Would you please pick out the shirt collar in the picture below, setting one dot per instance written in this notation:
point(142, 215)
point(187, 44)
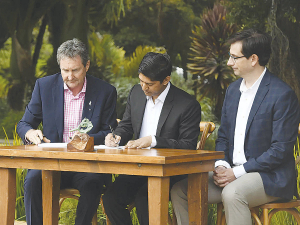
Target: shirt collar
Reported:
point(163, 95)
point(83, 90)
point(255, 86)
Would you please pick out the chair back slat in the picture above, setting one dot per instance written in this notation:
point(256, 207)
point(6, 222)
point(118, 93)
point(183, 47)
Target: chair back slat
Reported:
point(206, 128)
point(298, 157)
point(297, 162)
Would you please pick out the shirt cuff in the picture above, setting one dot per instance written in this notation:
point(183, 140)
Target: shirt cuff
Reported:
point(239, 171)
point(222, 163)
point(153, 143)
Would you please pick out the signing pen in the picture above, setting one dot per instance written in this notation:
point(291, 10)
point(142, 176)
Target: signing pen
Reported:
point(112, 131)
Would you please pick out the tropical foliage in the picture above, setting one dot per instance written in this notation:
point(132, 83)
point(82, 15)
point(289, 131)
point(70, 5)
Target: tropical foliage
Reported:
point(209, 56)
point(106, 58)
point(132, 63)
point(5, 52)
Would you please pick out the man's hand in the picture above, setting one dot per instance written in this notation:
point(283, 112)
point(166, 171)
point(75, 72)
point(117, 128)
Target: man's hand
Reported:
point(223, 176)
point(143, 142)
point(36, 136)
point(110, 141)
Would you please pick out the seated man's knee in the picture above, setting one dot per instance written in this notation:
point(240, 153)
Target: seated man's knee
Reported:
point(179, 190)
point(108, 198)
point(231, 194)
point(140, 200)
point(94, 181)
point(141, 197)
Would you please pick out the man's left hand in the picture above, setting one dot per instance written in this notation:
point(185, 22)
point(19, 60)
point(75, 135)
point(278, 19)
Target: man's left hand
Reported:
point(223, 176)
point(143, 142)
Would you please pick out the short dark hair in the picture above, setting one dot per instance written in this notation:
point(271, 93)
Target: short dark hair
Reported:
point(156, 66)
point(254, 42)
point(71, 49)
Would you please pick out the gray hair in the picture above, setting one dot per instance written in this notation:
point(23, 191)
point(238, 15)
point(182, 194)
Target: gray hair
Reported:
point(71, 49)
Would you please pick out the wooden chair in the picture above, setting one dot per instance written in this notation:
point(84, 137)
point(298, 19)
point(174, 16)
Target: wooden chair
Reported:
point(206, 128)
point(73, 193)
point(221, 220)
point(269, 209)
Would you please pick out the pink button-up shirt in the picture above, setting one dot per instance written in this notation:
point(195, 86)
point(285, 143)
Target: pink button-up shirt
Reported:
point(73, 107)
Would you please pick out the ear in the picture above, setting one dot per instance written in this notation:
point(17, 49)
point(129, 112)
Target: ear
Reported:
point(254, 60)
point(166, 80)
point(87, 66)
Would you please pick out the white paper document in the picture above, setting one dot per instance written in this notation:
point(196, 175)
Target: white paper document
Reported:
point(64, 145)
point(106, 147)
point(53, 145)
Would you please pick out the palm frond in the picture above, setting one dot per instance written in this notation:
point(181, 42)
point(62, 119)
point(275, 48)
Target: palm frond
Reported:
point(132, 63)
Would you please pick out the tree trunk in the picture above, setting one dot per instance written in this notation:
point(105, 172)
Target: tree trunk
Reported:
point(285, 59)
point(68, 20)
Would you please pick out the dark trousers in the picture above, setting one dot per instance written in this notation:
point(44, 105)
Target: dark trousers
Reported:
point(125, 190)
point(89, 185)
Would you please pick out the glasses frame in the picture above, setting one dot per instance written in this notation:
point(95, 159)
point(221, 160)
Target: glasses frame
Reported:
point(234, 58)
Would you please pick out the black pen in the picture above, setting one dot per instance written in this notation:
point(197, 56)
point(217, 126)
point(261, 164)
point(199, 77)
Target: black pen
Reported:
point(112, 131)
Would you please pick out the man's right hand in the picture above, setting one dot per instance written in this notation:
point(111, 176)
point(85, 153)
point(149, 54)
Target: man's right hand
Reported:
point(110, 141)
point(36, 136)
point(223, 176)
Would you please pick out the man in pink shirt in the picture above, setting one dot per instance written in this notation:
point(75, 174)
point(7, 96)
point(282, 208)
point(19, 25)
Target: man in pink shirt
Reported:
point(60, 102)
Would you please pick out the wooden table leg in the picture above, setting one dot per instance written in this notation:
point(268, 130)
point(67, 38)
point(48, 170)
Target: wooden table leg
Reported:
point(51, 189)
point(158, 197)
point(7, 196)
point(197, 198)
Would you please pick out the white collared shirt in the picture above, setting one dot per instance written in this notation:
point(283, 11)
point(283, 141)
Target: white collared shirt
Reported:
point(244, 108)
point(152, 114)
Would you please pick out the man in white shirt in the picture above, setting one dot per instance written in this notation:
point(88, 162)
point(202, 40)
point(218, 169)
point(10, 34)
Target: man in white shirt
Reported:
point(159, 115)
point(259, 126)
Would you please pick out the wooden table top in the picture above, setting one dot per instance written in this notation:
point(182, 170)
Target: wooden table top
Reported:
point(153, 156)
point(157, 164)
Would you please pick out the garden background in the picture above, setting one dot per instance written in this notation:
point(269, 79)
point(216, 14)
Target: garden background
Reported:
point(119, 33)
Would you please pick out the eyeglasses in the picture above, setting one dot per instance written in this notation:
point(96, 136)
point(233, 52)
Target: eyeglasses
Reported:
point(235, 57)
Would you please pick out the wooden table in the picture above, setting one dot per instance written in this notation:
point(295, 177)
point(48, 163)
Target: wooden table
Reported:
point(157, 164)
